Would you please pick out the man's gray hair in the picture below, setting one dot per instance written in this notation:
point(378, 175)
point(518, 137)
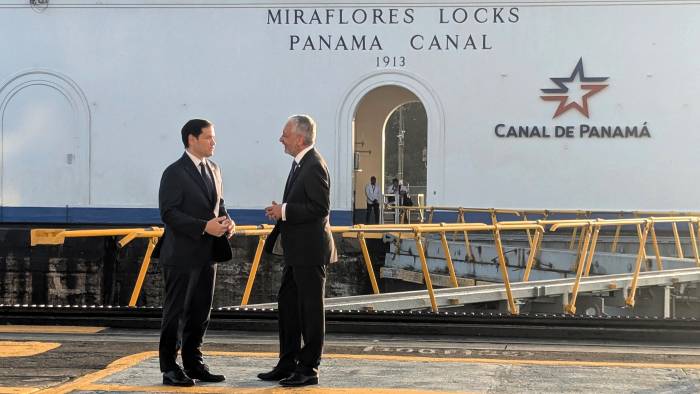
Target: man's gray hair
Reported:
point(305, 125)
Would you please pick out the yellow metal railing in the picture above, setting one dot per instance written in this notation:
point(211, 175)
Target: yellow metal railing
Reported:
point(58, 236)
point(589, 234)
point(591, 230)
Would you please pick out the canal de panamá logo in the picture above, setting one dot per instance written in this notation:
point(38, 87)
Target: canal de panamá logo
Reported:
point(578, 81)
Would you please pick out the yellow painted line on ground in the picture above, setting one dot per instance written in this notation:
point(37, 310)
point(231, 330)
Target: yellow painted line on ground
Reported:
point(18, 390)
point(116, 366)
point(49, 330)
point(25, 349)
point(87, 382)
point(563, 363)
point(203, 388)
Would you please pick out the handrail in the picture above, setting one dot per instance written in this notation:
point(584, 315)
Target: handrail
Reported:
point(590, 231)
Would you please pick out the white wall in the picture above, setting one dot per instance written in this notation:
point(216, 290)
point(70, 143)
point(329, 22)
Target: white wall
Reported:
point(145, 70)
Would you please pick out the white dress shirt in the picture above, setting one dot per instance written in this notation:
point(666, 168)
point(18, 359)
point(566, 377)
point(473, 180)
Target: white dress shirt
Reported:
point(297, 160)
point(196, 160)
point(373, 193)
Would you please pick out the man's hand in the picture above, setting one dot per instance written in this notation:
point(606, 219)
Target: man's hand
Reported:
point(230, 227)
point(217, 226)
point(274, 211)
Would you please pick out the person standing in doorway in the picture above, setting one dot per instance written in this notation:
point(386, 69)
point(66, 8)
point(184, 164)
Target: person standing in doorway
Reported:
point(373, 195)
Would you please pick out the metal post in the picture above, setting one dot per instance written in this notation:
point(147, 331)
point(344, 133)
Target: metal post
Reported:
point(529, 236)
point(368, 263)
point(142, 272)
point(534, 248)
point(253, 270)
point(693, 242)
point(657, 252)
point(573, 236)
point(638, 265)
point(613, 248)
point(639, 234)
point(504, 271)
point(591, 253)
point(679, 248)
point(397, 211)
point(586, 236)
point(580, 245)
point(467, 245)
point(494, 219)
point(426, 273)
point(448, 259)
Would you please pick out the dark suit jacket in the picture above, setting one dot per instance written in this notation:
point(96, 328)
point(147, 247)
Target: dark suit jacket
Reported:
point(306, 234)
point(185, 208)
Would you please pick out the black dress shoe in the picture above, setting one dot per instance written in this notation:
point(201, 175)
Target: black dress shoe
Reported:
point(176, 377)
point(299, 379)
point(202, 374)
point(275, 375)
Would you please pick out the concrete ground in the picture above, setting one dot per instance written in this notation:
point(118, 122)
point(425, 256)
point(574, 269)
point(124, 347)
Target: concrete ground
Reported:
point(85, 359)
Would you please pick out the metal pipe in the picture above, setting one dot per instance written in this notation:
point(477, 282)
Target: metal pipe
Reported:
point(638, 265)
point(591, 253)
point(529, 236)
point(694, 244)
point(613, 248)
point(586, 236)
point(504, 272)
point(426, 273)
point(142, 272)
point(253, 269)
point(533, 252)
point(368, 263)
point(657, 252)
point(448, 259)
point(573, 238)
point(679, 248)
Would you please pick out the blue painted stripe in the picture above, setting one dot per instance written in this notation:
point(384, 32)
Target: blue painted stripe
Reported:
point(121, 216)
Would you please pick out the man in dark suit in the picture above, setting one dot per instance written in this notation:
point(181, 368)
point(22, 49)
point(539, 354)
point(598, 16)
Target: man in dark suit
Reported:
point(192, 208)
point(303, 233)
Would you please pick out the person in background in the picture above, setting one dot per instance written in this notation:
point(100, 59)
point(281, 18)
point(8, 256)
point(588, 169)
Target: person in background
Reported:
point(373, 195)
point(393, 191)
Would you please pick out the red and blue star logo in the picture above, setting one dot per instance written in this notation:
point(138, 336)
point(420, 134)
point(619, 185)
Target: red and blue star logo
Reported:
point(592, 86)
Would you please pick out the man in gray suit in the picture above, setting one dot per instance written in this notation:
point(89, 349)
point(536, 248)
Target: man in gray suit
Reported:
point(303, 230)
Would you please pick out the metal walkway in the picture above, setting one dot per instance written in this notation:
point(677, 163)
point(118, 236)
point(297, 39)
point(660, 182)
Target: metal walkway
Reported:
point(521, 290)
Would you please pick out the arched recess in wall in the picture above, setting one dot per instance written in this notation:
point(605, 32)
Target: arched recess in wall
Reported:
point(345, 145)
point(45, 127)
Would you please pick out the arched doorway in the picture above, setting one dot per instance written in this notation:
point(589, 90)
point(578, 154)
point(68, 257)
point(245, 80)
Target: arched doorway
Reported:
point(343, 194)
point(389, 140)
point(406, 149)
point(45, 150)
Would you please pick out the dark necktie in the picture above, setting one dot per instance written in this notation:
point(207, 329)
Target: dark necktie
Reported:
point(289, 178)
point(207, 179)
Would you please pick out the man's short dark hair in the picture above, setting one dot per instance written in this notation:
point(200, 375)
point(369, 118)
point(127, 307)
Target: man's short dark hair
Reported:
point(193, 127)
point(373, 177)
